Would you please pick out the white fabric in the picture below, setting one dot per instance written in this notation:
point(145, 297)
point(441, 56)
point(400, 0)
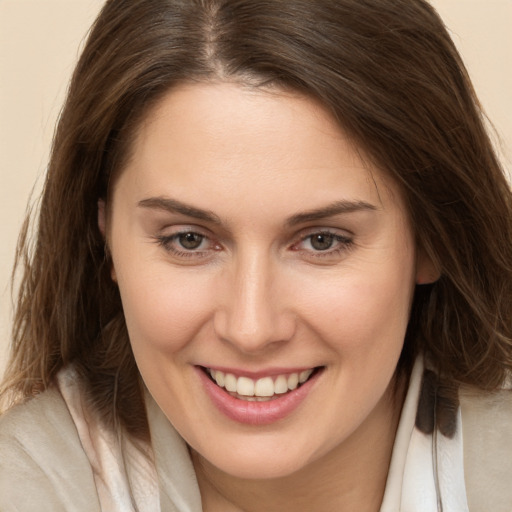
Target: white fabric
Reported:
point(125, 477)
point(128, 477)
point(426, 473)
point(179, 490)
point(427, 470)
point(54, 457)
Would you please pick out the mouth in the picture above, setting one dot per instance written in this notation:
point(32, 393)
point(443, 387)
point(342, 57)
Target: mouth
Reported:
point(263, 389)
point(259, 399)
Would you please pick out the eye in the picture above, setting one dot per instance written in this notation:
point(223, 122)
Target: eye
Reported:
point(190, 241)
point(187, 244)
point(322, 241)
point(324, 244)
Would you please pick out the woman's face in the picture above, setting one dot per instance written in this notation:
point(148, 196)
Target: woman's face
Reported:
point(251, 242)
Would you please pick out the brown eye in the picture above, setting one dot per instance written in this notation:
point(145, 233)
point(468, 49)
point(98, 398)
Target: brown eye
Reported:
point(190, 241)
point(322, 241)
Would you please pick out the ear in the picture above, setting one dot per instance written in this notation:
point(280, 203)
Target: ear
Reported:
point(426, 271)
point(102, 225)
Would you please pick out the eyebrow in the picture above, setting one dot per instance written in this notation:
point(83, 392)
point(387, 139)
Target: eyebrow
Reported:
point(336, 208)
point(174, 206)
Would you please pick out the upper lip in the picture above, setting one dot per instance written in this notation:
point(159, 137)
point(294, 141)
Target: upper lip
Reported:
point(256, 374)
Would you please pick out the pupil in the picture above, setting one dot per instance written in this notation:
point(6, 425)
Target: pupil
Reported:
point(322, 242)
point(190, 240)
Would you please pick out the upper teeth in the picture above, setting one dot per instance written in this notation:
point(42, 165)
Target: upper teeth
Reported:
point(264, 387)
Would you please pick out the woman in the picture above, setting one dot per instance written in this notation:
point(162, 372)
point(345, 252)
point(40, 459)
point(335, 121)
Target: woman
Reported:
point(272, 258)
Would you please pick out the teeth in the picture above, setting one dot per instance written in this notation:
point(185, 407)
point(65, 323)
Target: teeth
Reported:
point(304, 376)
point(262, 388)
point(245, 386)
point(293, 381)
point(219, 379)
point(281, 384)
point(230, 382)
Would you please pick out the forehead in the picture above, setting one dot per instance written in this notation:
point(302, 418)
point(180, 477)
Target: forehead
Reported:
point(227, 139)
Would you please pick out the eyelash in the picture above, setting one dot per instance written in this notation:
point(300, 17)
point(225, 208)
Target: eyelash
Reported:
point(343, 243)
point(166, 241)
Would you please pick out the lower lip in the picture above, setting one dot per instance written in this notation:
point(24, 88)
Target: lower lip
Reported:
point(256, 413)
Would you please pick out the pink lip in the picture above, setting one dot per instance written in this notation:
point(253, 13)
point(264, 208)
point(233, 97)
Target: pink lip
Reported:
point(256, 413)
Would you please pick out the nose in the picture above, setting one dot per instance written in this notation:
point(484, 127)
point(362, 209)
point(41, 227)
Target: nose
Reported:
point(254, 312)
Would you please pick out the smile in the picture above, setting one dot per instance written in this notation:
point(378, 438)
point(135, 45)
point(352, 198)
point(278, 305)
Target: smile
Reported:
point(262, 389)
point(261, 400)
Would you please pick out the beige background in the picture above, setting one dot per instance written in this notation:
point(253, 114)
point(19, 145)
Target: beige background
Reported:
point(40, 41)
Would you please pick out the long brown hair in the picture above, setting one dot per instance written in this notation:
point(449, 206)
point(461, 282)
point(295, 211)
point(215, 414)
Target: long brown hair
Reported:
point(389, 73)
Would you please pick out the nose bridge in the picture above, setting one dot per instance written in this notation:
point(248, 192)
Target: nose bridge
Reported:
point(253, 315)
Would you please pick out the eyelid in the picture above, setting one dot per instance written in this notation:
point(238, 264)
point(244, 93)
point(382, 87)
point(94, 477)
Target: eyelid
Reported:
point(345, 242)
point(333, 229)
point(168, 236)
point(170, 231)
point(166, 239)
point(336, 232)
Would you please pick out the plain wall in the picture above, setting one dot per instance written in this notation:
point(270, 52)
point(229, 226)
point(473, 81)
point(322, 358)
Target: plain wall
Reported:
point(39, 44)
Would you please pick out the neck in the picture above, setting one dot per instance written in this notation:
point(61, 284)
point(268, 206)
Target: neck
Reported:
point(350, 477)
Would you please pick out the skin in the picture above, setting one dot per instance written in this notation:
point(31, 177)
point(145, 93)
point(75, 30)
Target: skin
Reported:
point(258, 294)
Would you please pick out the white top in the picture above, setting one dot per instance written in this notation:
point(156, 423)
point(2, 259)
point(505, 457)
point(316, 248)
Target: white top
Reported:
point(55, 457)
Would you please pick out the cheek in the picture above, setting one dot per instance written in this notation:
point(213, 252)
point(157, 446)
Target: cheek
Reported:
point(163, 311)
point(362, 312)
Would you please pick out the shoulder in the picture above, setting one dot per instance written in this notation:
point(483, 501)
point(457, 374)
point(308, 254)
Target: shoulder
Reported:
point(487, 437)
point(42, 464)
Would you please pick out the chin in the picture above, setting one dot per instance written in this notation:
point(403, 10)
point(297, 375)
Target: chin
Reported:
point(257, 463)
point(259, 470)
